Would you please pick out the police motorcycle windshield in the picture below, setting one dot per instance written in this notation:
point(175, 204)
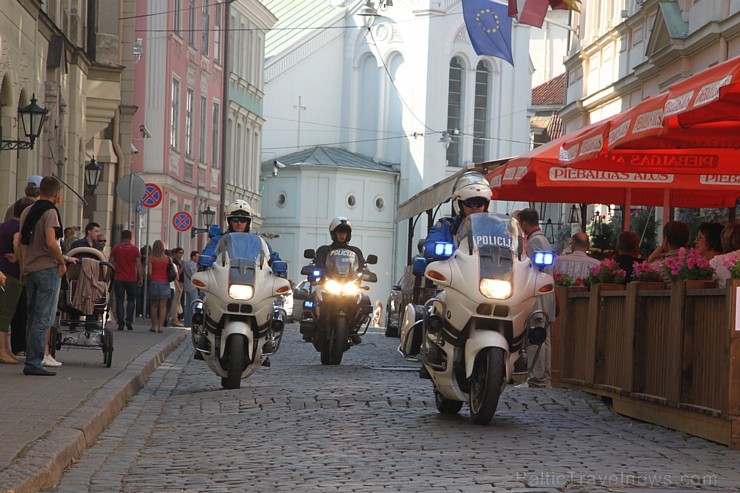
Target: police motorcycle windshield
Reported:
point(245, 252)
point(496, 238)
point(342, 264)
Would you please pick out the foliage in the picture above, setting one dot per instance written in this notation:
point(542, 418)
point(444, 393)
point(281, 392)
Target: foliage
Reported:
point(566, 280)
point(687, 265)
point(607, 271)
point(645, 272)
point(733, 265)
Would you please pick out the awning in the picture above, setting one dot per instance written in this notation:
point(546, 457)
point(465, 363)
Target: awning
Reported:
point(440, 192)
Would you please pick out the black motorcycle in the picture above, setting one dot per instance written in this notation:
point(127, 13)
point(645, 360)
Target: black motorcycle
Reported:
point(336, 310)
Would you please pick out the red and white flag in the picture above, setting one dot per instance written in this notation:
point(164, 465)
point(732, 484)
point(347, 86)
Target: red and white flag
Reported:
point(533, 12)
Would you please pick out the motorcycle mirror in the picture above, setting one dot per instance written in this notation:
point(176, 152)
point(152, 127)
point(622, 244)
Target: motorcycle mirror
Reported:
point(372, 259)
point(396, 287)
point(310, 270)
point(368, 276)
point(309, 253)
point(200, 280)
point(300, 294)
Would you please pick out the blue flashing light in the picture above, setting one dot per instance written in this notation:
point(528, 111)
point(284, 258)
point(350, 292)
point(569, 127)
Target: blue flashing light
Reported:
point(308, 304)
point(316, 273)
point(443, 250)
point(544, 259)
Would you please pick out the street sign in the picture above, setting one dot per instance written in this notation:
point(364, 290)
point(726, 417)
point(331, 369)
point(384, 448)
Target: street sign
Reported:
point(130, 189)
point(152, 196)
point(182, 221)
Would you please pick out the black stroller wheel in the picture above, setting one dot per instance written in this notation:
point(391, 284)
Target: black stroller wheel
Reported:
point(55, 341)
point(108, 348)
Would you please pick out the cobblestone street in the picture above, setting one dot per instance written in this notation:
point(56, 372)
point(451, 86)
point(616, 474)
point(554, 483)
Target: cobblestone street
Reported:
point(371, 425)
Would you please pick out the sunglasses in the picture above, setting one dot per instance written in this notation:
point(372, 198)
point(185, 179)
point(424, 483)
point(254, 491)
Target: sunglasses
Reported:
point(475, 202)
point(102, 241)
point(239, 219)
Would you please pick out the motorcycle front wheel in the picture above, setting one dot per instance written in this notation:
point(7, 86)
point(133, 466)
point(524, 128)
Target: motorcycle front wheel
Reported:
point(486, 383)
point(234, 358)
point(333, 349)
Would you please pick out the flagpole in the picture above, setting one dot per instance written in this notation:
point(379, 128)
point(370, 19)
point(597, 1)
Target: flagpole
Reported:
point(564, 26)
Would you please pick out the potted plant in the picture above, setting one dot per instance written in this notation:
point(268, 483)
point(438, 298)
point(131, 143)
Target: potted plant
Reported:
point(645, 274)
point(689, 265)
point(607, 272)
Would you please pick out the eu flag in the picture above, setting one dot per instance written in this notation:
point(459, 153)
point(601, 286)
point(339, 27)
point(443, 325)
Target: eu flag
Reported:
point(489, 28)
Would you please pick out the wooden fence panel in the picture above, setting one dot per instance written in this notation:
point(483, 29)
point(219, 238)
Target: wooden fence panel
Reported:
point(653, 326)
point(614, 342)
point(704, 375)
point(573, 329)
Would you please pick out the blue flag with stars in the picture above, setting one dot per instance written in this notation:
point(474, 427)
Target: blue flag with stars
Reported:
point(489, 28)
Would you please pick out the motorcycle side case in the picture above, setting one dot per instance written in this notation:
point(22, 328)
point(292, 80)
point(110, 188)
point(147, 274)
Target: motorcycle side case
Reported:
point(308, 328)
point(411, 330)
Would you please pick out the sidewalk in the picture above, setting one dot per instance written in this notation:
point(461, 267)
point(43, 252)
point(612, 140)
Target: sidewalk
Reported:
point(46, 422)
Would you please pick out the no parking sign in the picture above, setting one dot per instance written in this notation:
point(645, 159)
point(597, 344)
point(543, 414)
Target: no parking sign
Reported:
point(152, 196)
point(182, 221)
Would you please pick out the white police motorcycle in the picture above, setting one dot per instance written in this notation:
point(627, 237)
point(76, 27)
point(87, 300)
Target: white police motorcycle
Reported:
point(471, 332)
point(238, 324)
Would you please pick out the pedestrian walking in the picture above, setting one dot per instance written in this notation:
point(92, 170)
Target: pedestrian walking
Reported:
point(128, 278)
point(159, 287)
point(189, 268)
point(42, 266)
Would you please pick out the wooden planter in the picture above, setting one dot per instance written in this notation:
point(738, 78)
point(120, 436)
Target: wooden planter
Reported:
point(667, 354)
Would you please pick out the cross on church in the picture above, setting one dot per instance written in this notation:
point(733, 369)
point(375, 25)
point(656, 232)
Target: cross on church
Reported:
point(299, 108)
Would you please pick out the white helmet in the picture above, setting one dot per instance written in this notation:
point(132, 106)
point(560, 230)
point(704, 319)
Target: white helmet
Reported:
point(239, 208)
point(470, 185)
point(339, 224)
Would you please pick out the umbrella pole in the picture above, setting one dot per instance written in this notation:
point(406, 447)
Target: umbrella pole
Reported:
point(627, 208)
point(666, 206)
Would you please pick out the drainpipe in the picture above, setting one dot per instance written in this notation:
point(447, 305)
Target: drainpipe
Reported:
point(120, 167)
point(225, 107)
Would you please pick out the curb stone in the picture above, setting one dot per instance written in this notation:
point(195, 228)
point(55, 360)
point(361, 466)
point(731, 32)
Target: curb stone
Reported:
point(42, 465)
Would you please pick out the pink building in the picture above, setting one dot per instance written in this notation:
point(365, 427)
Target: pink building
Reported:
point(177, 128)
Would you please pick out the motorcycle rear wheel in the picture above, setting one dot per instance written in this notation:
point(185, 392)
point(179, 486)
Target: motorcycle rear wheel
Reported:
point(334, 346)
point(486, 383)
point(445, 405)
point(235, 357)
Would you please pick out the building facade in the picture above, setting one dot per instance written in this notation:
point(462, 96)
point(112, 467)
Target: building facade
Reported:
point(68, 55)
point(317, 184)
point(629, 50)
point(408, 90)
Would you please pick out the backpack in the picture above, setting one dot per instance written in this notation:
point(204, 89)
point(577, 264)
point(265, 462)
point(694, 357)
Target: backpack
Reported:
point(171, 271)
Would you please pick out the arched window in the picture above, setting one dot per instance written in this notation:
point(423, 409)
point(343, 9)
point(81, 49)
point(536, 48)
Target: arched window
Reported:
point(481, 112)
point(367, 111)
point(394, 110)
point(455, 111)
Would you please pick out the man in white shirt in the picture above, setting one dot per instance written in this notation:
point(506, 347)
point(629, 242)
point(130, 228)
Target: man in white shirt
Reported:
point(578, 264)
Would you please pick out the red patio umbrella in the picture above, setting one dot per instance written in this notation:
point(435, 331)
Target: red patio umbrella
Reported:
point(693, 128)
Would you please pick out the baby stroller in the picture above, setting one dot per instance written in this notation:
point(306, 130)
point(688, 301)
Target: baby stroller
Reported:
point(82, 315)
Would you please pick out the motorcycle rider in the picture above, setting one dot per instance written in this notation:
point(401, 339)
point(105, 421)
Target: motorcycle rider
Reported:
point(471, 194)
point(238, 217)
point(340, 231)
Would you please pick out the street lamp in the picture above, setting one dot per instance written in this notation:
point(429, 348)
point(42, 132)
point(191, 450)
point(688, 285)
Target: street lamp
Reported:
point(208, 215)
point(32, 117)
point(368, 13)
point(93, 171)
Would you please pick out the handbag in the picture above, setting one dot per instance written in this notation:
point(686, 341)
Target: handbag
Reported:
point(171, 272)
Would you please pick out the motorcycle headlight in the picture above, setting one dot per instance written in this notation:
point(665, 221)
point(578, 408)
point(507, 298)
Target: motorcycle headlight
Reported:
point(347, 289)
point(496, 289)
point(241, 292)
